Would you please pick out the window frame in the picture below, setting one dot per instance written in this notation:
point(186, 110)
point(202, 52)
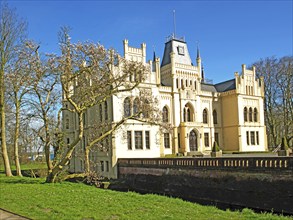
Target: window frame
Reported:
point(167, 140)
point(215, 117)
point(127, 107)
point(206, 139)
point(165, 114)
point(147, 140)
point(129, 140)
point(138, 140)
point(205, 116)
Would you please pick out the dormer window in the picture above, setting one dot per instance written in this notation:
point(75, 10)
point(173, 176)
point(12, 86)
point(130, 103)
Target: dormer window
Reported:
point(180, 50)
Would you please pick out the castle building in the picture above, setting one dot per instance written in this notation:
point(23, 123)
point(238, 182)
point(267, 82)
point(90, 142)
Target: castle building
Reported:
point(230, 113)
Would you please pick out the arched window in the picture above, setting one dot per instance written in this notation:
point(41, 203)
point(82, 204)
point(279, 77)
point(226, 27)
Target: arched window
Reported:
point(165, 114)
point(101, 112)
point(250, 114)
point(215, 117)
point(127, 107)
point(146, 109)
point(106, 110)
point(255, 114)
point(135, 106)
point(205, 116)
point(245, 114)
point(188, 114)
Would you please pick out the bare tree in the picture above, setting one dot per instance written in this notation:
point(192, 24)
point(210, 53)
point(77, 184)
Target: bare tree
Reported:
point(45, 97)
point(12, 31)
point(19, 80)
point(278, 76)
point(91, 74)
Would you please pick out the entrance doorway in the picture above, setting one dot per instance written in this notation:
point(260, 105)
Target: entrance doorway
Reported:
point(193, 141)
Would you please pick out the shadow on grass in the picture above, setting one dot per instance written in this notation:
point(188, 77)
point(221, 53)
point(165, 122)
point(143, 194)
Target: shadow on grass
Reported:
point(20, 180)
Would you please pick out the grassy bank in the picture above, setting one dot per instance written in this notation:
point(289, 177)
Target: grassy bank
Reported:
point(30, 197)
point(26, 166)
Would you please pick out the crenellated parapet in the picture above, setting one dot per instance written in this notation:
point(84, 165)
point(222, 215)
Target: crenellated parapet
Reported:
point(135, 54)
point(248, 84)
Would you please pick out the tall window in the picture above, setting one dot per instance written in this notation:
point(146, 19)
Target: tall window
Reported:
point(107, 166)
point(106, 110)
point(194, 84)
point(245, 114)
point(67, 123)
point(252, 138)
point(135, 106)
point(147, 139)
point(179, 145)
point(145, 109)
point(166, 140)
point(215, 117)
point(101, 112)
point(257, 137)
point(255, 114)
point(206, 140)
point(127, 107)
point(250, 114)
point(138, 139)
point(165, 114)
point(205, 116)
point(102, 166)
point(187, 113)
point(247, 137)
point(217, 138)
point(182, 84)
point(129, 140)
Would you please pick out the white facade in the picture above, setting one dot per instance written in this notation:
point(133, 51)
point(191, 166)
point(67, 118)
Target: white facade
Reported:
point(230, 113)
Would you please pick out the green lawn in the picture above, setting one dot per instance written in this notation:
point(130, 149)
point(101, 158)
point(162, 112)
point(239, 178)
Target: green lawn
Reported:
point(32, 198)
point(27, 166)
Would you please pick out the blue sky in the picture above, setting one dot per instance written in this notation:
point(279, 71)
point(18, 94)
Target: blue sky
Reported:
point(229, 33)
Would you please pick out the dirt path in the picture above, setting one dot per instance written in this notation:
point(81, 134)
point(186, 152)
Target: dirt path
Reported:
point(5, 215)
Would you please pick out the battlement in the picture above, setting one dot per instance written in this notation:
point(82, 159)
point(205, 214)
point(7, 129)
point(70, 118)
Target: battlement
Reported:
point(135, 54)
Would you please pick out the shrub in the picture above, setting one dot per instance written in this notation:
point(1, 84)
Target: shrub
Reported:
point(216, 147)
point(284, 145)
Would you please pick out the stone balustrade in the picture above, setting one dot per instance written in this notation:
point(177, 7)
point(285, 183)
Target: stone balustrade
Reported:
point(225, 163)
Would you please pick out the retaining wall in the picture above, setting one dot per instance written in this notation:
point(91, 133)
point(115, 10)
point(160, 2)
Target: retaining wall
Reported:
point(264, 184)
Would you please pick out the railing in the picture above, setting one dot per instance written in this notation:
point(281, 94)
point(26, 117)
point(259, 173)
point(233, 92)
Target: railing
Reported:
point(244, 163)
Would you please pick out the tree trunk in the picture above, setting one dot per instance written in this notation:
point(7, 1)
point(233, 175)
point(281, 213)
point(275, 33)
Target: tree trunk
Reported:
point(2, 121)
point(51, 177)
point(47, 144)
point(86, 160)
point(16, 137)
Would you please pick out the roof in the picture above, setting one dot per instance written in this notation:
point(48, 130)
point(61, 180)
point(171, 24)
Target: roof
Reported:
point(208, 87)
point(225, 86)
point(220, 87)
point(179, 47)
